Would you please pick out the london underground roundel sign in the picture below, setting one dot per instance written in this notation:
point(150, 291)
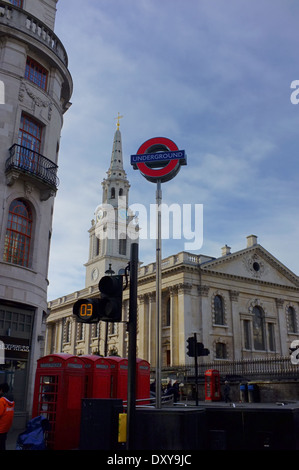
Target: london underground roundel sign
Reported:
point(158, 159)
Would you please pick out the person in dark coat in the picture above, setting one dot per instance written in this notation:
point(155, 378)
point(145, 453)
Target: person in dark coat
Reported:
point(227, 392)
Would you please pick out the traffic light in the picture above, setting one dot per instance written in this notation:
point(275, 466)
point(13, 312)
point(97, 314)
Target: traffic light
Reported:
point(201, 350)
point(191, 346)
point(111, 288)
point(106, 308)
point(195, 348)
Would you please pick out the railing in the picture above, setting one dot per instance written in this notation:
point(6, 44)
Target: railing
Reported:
point(23, 21)
point(150, 402)
point(33, 163)
point(271, 367)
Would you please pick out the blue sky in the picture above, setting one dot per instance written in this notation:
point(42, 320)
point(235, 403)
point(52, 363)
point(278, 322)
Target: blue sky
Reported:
point(213, 76)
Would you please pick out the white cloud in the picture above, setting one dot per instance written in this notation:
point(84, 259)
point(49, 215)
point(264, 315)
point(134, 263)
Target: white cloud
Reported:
point(212, 76)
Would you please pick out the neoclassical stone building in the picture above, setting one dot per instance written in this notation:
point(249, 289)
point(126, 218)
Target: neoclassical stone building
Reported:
point(241, 305)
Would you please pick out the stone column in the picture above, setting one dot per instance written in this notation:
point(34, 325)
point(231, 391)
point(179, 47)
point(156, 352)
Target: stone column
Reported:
point(204, 316)
point(236, 326)
point(184, 320)
point(143, 330)
point(152, 329)
point(282, 328)
point(174, 325)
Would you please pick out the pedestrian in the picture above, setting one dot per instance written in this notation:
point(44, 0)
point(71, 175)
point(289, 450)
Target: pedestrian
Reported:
point(226, 392)
point(175, 391)
point(6, 415)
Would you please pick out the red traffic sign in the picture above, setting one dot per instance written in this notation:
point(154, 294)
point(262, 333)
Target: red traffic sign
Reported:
point(158, 158)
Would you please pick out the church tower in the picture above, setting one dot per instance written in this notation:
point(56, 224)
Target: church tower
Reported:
point(113, 229)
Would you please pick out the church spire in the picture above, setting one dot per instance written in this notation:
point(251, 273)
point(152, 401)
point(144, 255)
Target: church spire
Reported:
point(116, 163)
point(116, 183)
point(117, 155)
point(111, 238)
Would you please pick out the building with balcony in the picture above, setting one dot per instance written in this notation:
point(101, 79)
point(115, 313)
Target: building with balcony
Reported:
point(35, 92)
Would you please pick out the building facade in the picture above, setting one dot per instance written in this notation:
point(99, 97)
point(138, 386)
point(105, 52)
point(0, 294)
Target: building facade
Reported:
point(35, 89)
point(241, 305)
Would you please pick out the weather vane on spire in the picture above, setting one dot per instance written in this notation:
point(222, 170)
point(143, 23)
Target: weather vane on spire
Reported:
point(118, 118)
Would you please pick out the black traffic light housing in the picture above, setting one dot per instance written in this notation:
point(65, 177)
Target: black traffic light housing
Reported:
point(201, 350)
point(196, 349)
point(106, 308)
point(111, 288)
point(191, 342)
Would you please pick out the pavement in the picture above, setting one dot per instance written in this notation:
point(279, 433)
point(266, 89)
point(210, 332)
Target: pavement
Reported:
point(12, 437)
point(13, 434)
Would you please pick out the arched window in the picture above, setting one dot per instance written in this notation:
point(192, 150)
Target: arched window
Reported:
point(218, 310)
point(292, 324)
point(258, 329)
point(18, 233)
point(112, 193)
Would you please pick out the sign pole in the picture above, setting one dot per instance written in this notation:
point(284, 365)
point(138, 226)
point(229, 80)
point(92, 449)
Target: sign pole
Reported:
point(158, 295)
point(158, 160)
point(132, 329)
point(196, 369)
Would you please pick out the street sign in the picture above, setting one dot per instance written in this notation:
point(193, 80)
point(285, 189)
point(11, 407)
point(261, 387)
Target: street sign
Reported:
point(158, 158)
point(151, 159)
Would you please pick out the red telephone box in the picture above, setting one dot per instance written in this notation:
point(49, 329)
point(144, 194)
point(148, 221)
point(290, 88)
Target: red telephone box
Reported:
point(59, 388)
point(98, 377)
point(212, 385)
point(119, 377)
point(142, 380)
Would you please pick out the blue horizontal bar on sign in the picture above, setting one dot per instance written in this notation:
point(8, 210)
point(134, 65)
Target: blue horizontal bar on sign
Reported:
point(157, 157)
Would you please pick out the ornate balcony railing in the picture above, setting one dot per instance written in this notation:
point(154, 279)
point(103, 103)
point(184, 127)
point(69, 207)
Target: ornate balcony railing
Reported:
point(25, 160)
point(21, 20)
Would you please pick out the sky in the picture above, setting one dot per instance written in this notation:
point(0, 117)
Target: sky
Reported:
point(215, 77)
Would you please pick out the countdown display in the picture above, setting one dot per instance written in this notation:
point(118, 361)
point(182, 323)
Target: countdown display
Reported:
point(86, 310)
point(106, 308)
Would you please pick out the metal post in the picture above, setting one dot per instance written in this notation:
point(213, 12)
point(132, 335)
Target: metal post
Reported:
point(196, 369)
point(132, 332)
point(158, 295)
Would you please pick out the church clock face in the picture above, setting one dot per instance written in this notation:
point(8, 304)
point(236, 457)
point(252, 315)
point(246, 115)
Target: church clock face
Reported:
point(94, 274)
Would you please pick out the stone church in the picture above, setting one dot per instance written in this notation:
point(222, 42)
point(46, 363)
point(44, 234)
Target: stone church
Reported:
point(241, 305)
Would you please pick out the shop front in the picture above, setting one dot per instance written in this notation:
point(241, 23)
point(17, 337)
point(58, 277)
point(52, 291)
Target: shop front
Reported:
point(16, 325)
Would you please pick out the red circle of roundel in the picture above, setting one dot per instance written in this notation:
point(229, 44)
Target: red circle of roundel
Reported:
point(158, 173)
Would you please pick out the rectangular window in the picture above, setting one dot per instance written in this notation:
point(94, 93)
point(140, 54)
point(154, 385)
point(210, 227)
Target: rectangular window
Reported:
point(247, 341)
point(35, 73)
point(271, 337)
point(15, 321)
point(122, 246)
point(30, 134)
